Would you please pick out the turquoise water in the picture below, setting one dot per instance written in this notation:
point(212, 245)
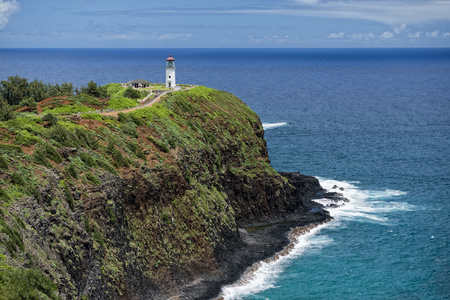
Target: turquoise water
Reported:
point(373, 121)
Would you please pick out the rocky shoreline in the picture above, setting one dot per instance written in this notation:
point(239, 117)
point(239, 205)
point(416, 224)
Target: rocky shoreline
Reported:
point(260, 240)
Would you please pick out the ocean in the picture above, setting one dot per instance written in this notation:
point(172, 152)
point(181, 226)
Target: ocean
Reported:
point(375, 122)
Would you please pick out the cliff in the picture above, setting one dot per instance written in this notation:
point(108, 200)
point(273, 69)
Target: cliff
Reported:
point(146, 206)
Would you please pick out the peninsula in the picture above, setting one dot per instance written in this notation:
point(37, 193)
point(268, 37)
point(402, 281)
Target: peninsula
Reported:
point(170, 200)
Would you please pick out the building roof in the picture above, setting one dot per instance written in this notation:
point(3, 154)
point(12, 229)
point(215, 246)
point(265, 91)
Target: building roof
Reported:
point(139, 81)
point(170, 58)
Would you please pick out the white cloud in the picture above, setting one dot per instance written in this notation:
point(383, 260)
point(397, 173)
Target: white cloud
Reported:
point(400, 29)
point(362, 36)
point(7, 8)
point(416, 35)
point(446, 35)
point(387, 35)
point(433, 34)
point(339, 35)
point(393, 12)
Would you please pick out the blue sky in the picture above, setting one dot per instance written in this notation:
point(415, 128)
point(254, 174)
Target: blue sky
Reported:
point(221, 24)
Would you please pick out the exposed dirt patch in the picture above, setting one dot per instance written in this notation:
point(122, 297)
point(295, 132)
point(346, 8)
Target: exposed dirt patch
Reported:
point(54, 102)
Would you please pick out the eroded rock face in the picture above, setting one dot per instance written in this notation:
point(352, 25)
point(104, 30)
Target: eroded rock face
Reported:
point(159, 215)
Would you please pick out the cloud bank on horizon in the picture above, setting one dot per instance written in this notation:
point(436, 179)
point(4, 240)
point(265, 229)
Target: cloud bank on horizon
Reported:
point(235, 23)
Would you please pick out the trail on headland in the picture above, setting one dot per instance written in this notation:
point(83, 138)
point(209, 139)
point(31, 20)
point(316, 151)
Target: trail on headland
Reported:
point(148, 102)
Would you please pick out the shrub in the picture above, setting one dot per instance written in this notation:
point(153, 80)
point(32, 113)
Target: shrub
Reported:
point(72, 171)
point(136, 120)
point(6, 111)
point(39, 158)
point(106, 166)
point(79, 137)
point(160, 144)
point(69, 196)
point(25, 138)
point(3, 163)
point(87, 138)
point(98, 238)
point(62, 135)
point(48, 151)
point(130, 129)
point(134, 147)
point(49, 117)
point(4, 196)
point(131, 93)
point(118, 159)
point(88, 159)
point(123, 117)
point(17, 179)
point(10, 148)
point(13, 242)
point(18, 283)
point(28, 102)
point(110, 147)
point(91, 177)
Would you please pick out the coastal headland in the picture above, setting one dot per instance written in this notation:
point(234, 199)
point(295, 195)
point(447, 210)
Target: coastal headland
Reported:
point(172, 200)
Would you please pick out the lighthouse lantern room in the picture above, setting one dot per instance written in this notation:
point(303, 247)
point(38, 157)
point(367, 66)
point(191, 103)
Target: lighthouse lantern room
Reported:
point(170, 72)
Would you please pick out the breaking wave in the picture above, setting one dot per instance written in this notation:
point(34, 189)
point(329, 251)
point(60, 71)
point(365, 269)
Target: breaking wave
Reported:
point(273, 125)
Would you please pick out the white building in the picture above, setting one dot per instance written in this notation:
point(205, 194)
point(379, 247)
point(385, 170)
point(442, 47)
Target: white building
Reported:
point(170, 73)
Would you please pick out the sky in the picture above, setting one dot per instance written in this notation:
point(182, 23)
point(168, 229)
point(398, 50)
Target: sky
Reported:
point(224, 24)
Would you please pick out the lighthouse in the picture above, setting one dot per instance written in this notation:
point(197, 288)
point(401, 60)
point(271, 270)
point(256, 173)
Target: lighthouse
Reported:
point(170, 72)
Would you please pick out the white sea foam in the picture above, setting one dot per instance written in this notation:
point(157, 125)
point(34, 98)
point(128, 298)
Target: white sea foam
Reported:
point(263, 275)
point(273, 125)
point(364, 206)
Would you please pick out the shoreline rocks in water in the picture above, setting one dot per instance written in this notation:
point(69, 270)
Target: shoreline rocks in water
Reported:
point(263, 240)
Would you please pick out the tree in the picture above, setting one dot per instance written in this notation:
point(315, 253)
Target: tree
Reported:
point(14, 89)
point(49, 117)
point(37, 90)
point(66, 89)
point(131, 93)
point(6, 111)
point(29, 101)
point(94, 90)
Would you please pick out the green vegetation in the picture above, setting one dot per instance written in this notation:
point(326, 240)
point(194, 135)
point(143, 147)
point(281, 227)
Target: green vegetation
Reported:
point(131, 93)
point(16, 90)
point(6, 111)
point(18, 283)
point(77, 193)
point(93, 89)
point(121, 103)
point(49, 117)
point(63, 99)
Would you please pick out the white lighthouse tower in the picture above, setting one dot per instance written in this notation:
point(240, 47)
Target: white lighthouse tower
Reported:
point(170, 72)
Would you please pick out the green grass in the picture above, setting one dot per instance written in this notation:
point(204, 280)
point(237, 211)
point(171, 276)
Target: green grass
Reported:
point(68, 109)
point(118, 103)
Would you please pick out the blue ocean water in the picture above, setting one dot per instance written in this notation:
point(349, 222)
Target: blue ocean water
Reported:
point(373, 121)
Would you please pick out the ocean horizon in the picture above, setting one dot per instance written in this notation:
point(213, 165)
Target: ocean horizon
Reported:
point(375, 122)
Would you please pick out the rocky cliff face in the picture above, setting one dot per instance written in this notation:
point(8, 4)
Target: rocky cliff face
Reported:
point(144, 207)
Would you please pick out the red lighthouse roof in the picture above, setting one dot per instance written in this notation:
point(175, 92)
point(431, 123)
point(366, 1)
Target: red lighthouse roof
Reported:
point(170, 58)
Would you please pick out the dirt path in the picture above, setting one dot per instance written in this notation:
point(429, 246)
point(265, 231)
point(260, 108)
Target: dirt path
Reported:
point(143, 104)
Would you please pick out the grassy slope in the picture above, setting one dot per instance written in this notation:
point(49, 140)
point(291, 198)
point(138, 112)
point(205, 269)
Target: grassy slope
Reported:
point(110, 197)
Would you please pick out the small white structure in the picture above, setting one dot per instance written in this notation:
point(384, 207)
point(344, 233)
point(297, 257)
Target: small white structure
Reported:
point(170, 72)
